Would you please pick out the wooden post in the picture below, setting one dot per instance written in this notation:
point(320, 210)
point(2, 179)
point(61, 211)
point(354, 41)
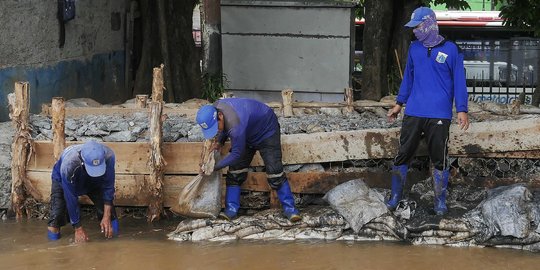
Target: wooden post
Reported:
point(349, 100)
point(274, 200)
point(287, 96)
point(157, 84)
point(156, 161)
point(21, 148)
point(141, 100)
point(58, 126)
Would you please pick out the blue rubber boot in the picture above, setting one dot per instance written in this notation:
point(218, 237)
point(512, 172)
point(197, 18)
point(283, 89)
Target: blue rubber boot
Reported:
point(53, 236)
point(287, 202)
point(440, 183)
point(399, 177)
point(232, 202)
point(115, 227)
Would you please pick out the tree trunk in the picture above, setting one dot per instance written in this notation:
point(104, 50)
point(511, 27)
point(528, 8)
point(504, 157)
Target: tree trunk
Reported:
point(401, 39)
point(377, 37)
point(184, 70)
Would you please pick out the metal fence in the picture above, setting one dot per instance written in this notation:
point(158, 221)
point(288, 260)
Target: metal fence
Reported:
point(501, 70)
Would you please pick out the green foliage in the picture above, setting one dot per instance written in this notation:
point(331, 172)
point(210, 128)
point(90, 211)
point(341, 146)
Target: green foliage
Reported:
point(521, 14)
point(214, 86)
point(359, 10)
point(450, 4)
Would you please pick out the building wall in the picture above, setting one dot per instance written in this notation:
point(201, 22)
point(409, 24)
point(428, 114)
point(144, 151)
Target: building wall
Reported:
point(91, 63)
point(268, 48)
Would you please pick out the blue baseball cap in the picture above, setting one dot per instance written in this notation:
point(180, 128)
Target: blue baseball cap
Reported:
point(93, 156)
point(207, 119)
point(419, 15)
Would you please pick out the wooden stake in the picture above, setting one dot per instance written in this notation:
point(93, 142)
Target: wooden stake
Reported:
point(274, 200)
point(58, 126)
point(398, 63)
point(156, 162)
point(349, 100)
point(141, 101)
point(157, 84)
point(20, 149)
point(287, 96)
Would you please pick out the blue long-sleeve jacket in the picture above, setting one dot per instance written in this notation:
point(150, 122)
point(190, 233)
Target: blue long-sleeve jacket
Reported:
point(247, 123)
point(70, 173)
point(434, 78)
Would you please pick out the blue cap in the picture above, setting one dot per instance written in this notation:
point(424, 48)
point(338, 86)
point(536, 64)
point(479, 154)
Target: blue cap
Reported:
point(93, 156)
point(207, 119)
point(419, 15)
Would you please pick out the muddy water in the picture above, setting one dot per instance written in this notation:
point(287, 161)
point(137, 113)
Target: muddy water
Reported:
point(143, 246)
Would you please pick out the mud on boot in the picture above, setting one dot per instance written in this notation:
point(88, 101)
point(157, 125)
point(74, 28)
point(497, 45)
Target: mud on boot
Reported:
point(440, 183)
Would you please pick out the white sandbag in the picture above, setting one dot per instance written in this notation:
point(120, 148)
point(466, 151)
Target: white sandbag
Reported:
point(356, 202)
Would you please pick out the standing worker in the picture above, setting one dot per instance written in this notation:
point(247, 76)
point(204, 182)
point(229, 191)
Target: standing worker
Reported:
point(434, 79)
point(251, 126)
point(83, 169)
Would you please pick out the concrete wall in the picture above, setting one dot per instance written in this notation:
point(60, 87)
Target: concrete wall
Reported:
point(268, 48)
point(91, 64)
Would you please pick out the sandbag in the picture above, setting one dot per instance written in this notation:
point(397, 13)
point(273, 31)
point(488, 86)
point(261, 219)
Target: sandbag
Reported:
point(356, 202)
point(201, 197)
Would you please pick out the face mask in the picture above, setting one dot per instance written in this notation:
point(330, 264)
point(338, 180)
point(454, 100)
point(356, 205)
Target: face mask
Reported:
point(428, 33)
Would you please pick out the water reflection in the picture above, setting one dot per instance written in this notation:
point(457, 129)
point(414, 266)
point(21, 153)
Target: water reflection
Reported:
point(144, 246)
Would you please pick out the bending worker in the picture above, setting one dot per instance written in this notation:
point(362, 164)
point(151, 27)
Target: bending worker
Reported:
point(83, 169)
point(251, 126)
point(433, 80)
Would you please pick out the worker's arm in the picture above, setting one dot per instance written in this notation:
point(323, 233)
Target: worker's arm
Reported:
point(238, 145)
point(461, 97)
point(108, 197)
point(68, 176)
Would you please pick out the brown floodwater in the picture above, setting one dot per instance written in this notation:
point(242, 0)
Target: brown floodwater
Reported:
point(145, 246)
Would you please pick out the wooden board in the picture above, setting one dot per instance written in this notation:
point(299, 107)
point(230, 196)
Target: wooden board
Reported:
point(79, 111)
point(131, 189)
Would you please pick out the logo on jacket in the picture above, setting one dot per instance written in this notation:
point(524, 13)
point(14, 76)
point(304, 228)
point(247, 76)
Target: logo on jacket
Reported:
point(441, 57)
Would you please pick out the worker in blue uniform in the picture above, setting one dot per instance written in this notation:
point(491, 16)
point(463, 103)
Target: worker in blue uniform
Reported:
point(251, 126)
point(434, 79)
point(83, 169)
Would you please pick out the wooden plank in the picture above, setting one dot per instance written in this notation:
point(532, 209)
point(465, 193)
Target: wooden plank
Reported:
point(80, 111)
point(316, 182)
point(131, 190)
point(131, 158)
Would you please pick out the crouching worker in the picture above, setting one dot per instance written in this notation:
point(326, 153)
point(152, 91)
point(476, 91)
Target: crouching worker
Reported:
point(251, 126)
point(83, 169)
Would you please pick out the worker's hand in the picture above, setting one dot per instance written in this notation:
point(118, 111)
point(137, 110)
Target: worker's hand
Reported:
point(216, 145)
point(463, 120)
point(393, 113)
point(106, 227)
point(80, 235)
